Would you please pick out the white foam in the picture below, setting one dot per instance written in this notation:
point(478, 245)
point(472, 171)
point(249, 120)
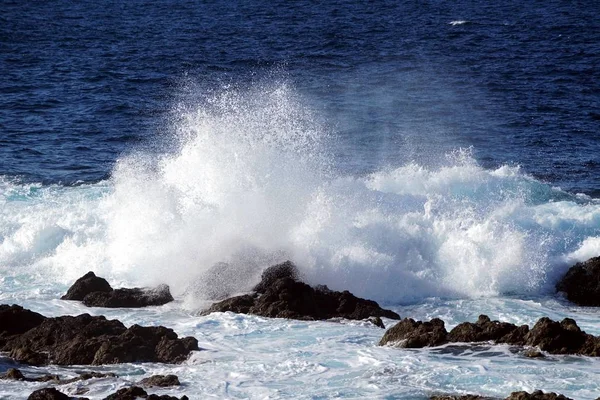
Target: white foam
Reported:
point(251, 185)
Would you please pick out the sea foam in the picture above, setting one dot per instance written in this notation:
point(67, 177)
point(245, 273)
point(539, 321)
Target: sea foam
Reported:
point(251, 183)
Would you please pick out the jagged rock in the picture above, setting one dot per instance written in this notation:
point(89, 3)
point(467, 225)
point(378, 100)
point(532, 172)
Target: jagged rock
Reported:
point(282, 296)
point(130, 393)
point(17, 375)
point(135, 392)
point(376, 321)
point(51, 394)
point(89, 283)
point(581, 284)
point(94, 291)
point(560, 337)
point(553, 337)
point(13, 374)
point(485, 330)
point(129, 298)
point(409, 333)
point(160, 381)
point(460, 397)
point(537, 395)
point(270, 275)
point(85, 340)
point(15, 320)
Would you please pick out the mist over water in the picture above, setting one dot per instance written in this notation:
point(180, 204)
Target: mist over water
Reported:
point(250, 181)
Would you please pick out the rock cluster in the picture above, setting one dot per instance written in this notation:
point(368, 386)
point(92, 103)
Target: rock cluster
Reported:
point(536, 395)
point(563, 337)
point(130, 393)
point(94, 291)
point(281, 295)
point(581, 284)
point(17, 375)
point(85, 340)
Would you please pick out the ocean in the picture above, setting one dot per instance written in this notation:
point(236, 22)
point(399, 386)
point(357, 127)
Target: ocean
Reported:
point(441, 158)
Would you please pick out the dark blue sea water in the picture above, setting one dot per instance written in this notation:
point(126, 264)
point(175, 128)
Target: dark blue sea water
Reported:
point(83, 83)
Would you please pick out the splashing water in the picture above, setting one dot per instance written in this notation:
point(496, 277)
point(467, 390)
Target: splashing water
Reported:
point(251, 183)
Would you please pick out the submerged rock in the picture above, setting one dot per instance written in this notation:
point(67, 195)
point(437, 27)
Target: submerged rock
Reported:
point(281, 295)
point(94, 291)
point(563, 337)
point(581, 284)
point(85, 340)
point(460, 397)
point(51, 394)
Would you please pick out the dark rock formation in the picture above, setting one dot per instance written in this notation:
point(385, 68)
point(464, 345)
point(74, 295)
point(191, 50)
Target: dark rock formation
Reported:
point(96, 292)
point(409, 333)
point(131, 393)
point(485, 330)
point(89, 283)
point(160, 381)
point(17, 375)
point(85, 340)
point(129, 298)
point(460, 397)
point(275, 272)
point(15, 320)
point(581, 284)
point(136, 392)
point(550, 336)
point(51, 394)
point(280, 295)
point(537, 395)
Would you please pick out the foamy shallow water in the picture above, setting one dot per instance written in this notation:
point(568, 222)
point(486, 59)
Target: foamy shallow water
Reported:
point(255, 357)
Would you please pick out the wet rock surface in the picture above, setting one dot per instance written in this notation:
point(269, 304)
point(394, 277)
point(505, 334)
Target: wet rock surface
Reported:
point(409, 333)
point(16, 375)
point(94, 291)
point(88, 340)
point(130, 393)
point(581, 283)
point(136, 392)
point(281, 295)
point(554, 337)
point(15, 320)
point(536, 395)
point(51, 394)
point(160, 381)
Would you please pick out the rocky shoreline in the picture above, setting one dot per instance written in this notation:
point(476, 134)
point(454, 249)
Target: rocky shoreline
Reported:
point(30, 338)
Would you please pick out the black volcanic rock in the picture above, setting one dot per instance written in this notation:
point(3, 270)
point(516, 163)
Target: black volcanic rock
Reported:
point(15, 320)
point(86, 340)
point(280, 295)
point(485, 330)
point(581, 284)
point(409, 333)
point(160, 381)
point(129, 298)
point(536, 395)
point(563, 337)
point(51, 394)
point(136, 392)
point(270, 275)
point(94, 291)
